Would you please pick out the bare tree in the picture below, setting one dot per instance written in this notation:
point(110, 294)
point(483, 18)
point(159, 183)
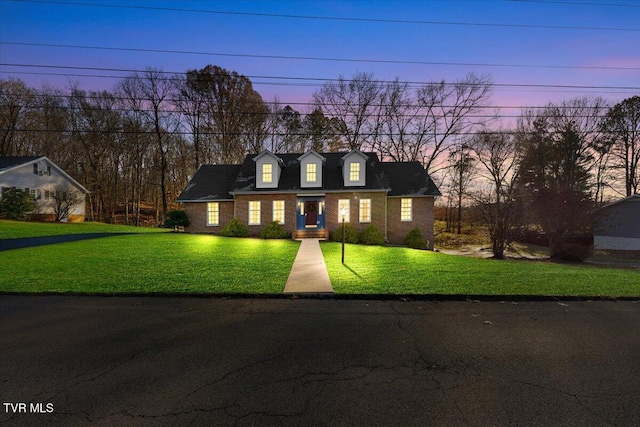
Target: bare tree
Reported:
point(150, 95)
point(15, 101)
point(64, 199)
point(449, 112)
point(462, 166)
point(498, 158)
point(354, 104)
point(622, 127)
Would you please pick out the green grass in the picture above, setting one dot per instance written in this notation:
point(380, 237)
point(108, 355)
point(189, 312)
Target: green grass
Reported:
point(158, 262)
point(392, 270)
point(17, 229)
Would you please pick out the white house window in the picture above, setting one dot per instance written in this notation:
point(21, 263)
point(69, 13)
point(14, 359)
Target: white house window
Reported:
point(254, 213)
point(47, 195)
point(343, 204)
point(311, 172)
point(406, 209)
point(48, 170)
point(278, 211)
point(39, 194)
point(213, 213)
point(267, 173)
point(35, 168)
point(365, 210)
point(354, 171)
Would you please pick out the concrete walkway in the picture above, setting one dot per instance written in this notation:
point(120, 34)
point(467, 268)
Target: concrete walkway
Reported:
point(309, 272)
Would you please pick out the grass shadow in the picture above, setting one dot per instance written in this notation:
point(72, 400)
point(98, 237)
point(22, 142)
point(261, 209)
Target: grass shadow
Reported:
point(352, 271)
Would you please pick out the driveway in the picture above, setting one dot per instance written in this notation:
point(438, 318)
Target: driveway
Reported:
point(28, 242)
point(186, 361)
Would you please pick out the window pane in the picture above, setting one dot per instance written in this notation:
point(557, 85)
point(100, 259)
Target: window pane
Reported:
point(344, 204)
point(267, 173)
point(365, 210)
point(406, 213)
point(278, 211)
point(311, 172)
point(254, 213)
point(354, 172)
point(213, 213)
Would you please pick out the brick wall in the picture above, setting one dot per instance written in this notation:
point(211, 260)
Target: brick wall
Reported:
point(197, 213)
point(266, 210)
point(333, 219)
point(423, 218)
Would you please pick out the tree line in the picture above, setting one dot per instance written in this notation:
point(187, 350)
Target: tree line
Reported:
point(135, 146)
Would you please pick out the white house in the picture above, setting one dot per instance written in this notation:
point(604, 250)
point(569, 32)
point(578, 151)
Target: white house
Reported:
point(619, 227)
point(41, 177)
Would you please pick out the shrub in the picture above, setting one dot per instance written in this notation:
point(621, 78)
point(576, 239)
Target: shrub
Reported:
point(415, 239)
point(371, 236)
point(574, 252)
point(234, 228)
point(274, 231)
point(177, 219)
point(350, 234)
point(16, 204)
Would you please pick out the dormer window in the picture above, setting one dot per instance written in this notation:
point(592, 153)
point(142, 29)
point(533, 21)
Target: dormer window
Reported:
point(268, 168)
point(311, 169)
point(267, 173)
point(354, 168)
point(354, 171)
point(311, 172)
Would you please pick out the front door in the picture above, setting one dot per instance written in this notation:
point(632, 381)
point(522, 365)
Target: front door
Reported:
point(311, 214)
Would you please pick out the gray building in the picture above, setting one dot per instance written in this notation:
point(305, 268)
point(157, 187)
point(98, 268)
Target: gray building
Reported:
point(619, 226)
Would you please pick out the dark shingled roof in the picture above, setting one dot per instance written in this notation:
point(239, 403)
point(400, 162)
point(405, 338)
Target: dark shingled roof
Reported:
point(409, 179)
point(9, 162)
point(217, 182)
point(331, 174)
point(210, 182)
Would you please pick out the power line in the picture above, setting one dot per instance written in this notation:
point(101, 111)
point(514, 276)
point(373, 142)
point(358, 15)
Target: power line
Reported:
point(334, 18)
point(577, 3)
point(172, 75)
point(317, 58)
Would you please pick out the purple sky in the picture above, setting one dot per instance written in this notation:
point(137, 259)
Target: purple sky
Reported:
point(532, 43)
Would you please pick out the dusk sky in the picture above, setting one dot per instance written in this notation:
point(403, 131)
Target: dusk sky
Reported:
point(594, 45)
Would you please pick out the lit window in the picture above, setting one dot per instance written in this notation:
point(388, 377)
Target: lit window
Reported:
point(406, 211)
point(354, 171)
point(343, 204)
point(213, 213)
point(267, 173)
point(254, 213)
point(278, 211)
point(365, 210)
point(311, 172)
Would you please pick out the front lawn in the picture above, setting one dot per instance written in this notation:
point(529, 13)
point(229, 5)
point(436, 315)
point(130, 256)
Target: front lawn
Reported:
point(393, 270)
point(158, 262)
point(20, 229)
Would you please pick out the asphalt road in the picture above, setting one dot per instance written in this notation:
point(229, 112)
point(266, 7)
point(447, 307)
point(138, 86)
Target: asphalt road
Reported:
point(75, 361)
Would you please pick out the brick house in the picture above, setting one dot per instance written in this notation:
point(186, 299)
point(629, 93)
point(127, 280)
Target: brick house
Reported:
point(307, 193)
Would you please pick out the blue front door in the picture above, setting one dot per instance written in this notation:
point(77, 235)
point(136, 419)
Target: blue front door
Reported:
point(310, 213)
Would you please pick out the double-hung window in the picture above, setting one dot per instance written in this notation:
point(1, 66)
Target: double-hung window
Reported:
point(365, 210)
point(344, 207)
point(354, 171)
point(278, 211)
point(213, 213)
point(311, 172)
point(254, 213)
point(267, 173)
point(406, 209)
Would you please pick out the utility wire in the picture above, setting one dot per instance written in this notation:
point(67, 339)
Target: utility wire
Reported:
point(172, 75)
point(317, 58)
point(333, 18)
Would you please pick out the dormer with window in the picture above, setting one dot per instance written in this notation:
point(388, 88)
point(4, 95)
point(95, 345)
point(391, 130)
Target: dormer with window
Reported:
point(311, 169)
point(268, 168)
point(354, 166)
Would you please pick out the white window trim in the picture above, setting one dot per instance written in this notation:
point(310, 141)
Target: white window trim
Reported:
point(270, 173)
point(258, 209)
point(410, 218)
point(210, 211)
point(341, 203)
point(283, 210)
point(314, 172)
point(361, 211)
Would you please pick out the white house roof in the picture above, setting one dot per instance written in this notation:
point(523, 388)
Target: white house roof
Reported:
point(8, 164)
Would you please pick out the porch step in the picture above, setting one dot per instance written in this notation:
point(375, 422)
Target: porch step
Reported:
point(311, 234)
